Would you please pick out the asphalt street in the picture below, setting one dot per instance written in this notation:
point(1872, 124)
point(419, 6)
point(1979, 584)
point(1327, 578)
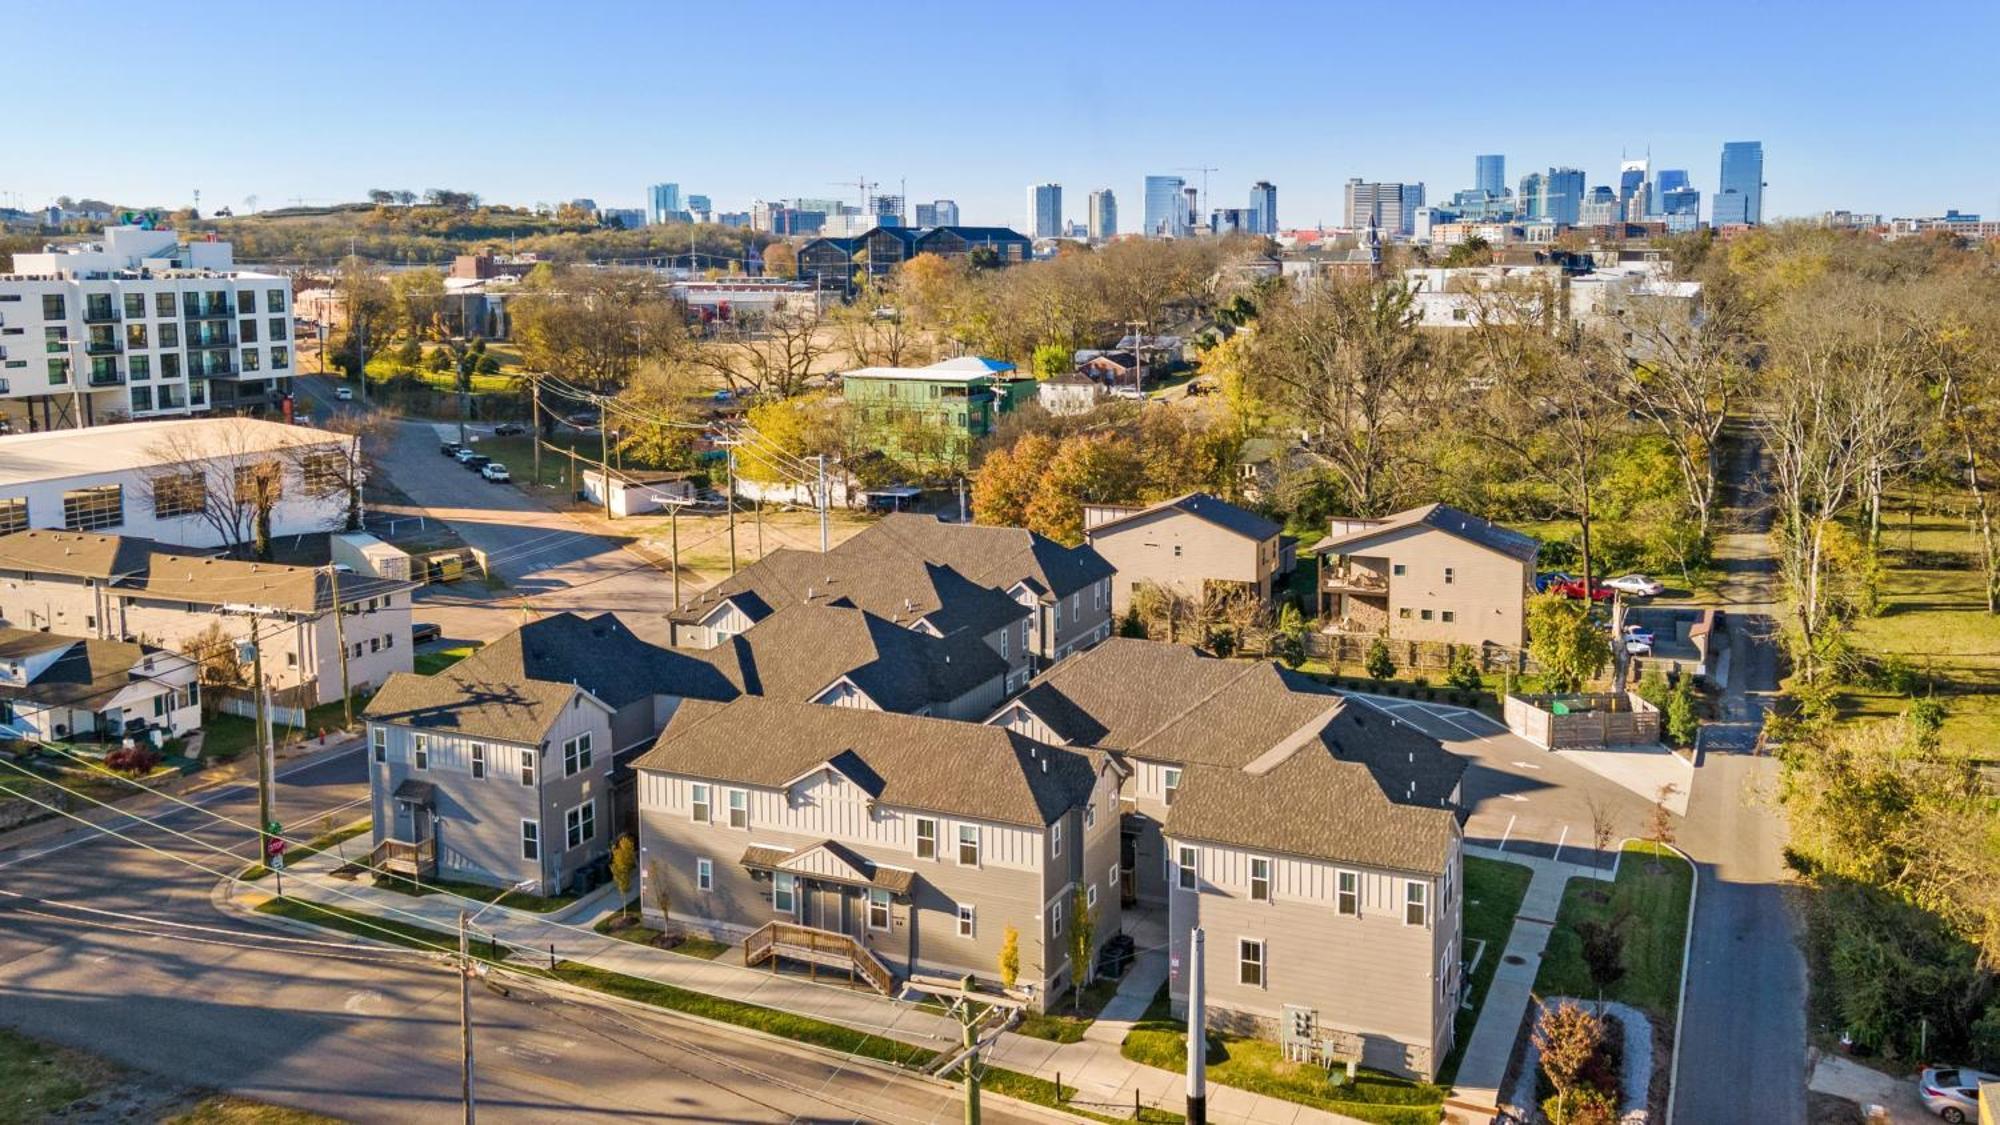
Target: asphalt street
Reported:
point(164, 982)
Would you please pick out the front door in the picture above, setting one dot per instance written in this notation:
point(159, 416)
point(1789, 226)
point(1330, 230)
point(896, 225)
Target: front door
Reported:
point(1128, 868)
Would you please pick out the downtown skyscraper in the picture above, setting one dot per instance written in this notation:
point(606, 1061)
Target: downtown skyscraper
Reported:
point(1166, 210)
point(1045, 211)
point(1102, 223)
point(1263, 207)
point(1739, 194)
point(1489, 174)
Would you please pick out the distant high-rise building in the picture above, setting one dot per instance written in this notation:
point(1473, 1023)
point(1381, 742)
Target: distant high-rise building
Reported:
point(1601, 207)
point(1045, 211)
point(1232, 220)
point(1103, 215)
point(1391, 208)
point(1166, 211)
point(1532, 203)
point(1739, 197)
point(700, 204)
point(1562, 195)
point(1634, 190)
point(947, 212)
point(1669, 179)
point(1680, 206)
point(1191, 206)
point(926, 215)
point(1263, 207)
point(1489, 174)
point(888, 210)
point(662, 200)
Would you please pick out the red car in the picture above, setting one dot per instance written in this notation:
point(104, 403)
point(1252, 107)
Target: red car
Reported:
point(1573, 588)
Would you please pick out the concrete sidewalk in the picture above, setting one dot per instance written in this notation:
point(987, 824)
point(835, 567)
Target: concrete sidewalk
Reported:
point(1104, 1079)
point(1498, 1030)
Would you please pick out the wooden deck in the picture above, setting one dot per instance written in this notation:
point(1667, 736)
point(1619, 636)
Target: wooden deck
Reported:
point(817, 948)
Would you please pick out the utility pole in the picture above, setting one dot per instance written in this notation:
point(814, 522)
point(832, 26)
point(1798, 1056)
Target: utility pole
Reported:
point(535, 421)
point(961, 497)
point(757, 516)
point(968, 1023)
point(465, 1019)
point(674, 522)
point(824, 502)
point(1197, 1024)
point(729, 502)
point(604, 460)
point(264, 821)
point(340, 638)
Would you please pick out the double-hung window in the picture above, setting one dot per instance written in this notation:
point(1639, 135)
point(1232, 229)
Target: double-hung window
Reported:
point(576, 754)
point(378, 738)
point(1170, 783)
point(1416, 903)
point(704, 874)
point(785, 893)
point(1184, 870)
point(965, 915)
point(527, 767)
point(968, 845)
point(1055, 840)
point(1250, 962)
point(420, 752)
point(531, 840)
point(581, 824)
point(1347, 894)
point(927, 838)
point(478, 761)
point(1055, 918)
point(1260, 879)
point(739, 808)
point(878, 909)
point(698, 807)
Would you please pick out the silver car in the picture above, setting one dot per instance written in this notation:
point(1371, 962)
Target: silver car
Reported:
point(1953, 1094)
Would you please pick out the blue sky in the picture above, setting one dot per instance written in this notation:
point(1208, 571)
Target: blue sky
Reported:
point(1861, 106)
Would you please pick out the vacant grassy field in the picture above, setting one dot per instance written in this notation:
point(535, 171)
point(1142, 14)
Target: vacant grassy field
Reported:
point(705, 537)
point(431, 663)
point(1654, 904)
point(1933, 615)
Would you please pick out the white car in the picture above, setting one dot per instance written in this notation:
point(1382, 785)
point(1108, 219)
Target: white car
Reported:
point(344, 394)
point(1636, 584)
point(1638, 641)
point(1952, 1093)
point(495, 472)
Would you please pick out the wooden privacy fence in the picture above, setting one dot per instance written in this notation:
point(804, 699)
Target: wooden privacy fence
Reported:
point(1582, 721)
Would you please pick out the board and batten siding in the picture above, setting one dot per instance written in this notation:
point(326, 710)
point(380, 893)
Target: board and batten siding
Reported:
point(1371, 975)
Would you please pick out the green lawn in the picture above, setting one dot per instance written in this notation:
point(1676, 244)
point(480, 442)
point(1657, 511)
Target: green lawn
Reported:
point(431, 663)
point(1493, 893)
point(37, 1079)
point(518, 454)
point(225, 736)
point(536, 904)
point(1259, 1066)
point(313, 847)
point(1655, 904)
point(1064, 1025)
point(227, 1109)
point(690, 945)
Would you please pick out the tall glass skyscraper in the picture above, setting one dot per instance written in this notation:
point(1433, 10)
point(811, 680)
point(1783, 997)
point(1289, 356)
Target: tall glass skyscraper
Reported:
point(662, 200)
point(1166, 211)
point(1045, 211)
point(1103, 218)
point(1263, 207)
point(1489, 174)
point(1739, 196)
point(1562, 195)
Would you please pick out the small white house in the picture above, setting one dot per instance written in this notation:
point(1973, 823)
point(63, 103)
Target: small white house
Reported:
point(637, 493)
point(82, 688)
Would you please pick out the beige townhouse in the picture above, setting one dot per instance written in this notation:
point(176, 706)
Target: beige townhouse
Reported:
point(1189, 545)
point(124, 588)
point(893, 845)
point(1428, 574)
point(1290, 785)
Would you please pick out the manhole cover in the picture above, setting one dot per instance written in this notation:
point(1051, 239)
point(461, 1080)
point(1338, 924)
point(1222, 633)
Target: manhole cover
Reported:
point(1511, 959)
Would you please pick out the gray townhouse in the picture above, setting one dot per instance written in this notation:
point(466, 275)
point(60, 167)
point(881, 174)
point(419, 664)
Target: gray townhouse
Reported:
point(1032, 600)
point(847, 657)
point(1249, 787)
point(906, 845)
point(124, 588)
point(504, 768)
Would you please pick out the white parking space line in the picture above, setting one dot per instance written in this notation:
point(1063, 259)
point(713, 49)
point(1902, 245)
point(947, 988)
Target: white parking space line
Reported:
point(1507, 835)
point(1561, 841)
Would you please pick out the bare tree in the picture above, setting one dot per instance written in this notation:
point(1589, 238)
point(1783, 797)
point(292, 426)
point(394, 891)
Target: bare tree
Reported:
point(326, 469)
point(775, 352)
point(592, 327)
point(224, 475)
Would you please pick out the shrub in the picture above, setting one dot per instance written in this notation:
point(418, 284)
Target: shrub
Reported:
point(135, 760)
point(1464, 672)
point(1683, 721)
point(1380, 664)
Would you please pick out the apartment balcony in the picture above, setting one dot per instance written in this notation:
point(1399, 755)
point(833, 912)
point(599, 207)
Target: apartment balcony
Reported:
point(111, 379)
point(101, 316)
point(212, 340)
point(1352, 580)
point(103, 347)
point(208, 312)
point(221, 371)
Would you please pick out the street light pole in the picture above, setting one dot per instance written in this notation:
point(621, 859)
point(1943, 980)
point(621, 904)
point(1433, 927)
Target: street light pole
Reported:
point(465, 1019)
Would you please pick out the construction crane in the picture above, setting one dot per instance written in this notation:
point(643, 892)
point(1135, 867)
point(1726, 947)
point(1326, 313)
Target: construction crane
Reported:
point(863, 184)
point(1204, 183)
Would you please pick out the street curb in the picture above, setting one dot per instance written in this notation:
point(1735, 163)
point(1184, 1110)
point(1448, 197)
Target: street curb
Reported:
point(1680, 998)
point(222, 897)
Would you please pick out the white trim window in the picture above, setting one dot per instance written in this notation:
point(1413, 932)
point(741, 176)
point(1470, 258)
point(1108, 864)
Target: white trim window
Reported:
point(531, 840)
point(576, 754)
point(965, 919)
point(1416, 903)
point(1090, 896)
point(1089, 817)
point(968, 845)
point(1112, 879)
point(1055, 840)
point(699, 809)
point(1251, 969)
point(927, 837)
point(1003, 644)
point(878, 909)
point(527, 767)
point(704, 874)
point(378, 739)
point(785, 893)
point(739, 808)
point(1055, 918)
point(1097, 593)
point(1260, 878)
point(1347, 893)
point(1170, 784)
point(478, 760)
point(580, 824)
point(1185, 875)
point(420, 752)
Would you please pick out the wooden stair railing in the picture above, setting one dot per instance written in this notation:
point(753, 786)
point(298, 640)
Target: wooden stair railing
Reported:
point(806, 943)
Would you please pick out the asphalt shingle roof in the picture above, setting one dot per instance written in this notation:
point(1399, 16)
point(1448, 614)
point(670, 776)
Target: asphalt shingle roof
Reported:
point(1210, 509)
point(801, 649)
point(1444, 518)
point(82, 553)
point(461, 700)
point(993, 556)
point(936, 765)
point(138, 567)
point(88, 674)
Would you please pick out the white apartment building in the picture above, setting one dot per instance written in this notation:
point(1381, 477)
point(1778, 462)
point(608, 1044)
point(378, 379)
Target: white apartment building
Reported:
point(139, 325)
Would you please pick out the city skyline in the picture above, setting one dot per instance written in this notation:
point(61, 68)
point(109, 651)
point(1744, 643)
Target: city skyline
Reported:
point(1829, 141)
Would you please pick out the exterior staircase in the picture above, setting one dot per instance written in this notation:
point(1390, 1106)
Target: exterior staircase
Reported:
point(817, 948)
